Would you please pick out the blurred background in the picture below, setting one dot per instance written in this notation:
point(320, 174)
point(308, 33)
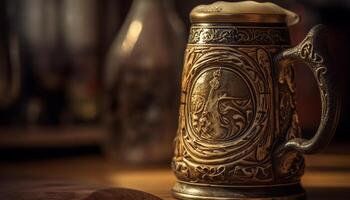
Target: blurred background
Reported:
point(98, 77)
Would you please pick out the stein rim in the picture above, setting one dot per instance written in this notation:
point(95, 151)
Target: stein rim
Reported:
point(243, 12)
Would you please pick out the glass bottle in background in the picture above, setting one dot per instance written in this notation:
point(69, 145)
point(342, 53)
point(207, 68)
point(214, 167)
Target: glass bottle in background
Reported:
point(142, 77)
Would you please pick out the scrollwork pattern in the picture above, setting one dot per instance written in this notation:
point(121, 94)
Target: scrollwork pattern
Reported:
point(290, 165)
point(238, 35)
point(306, 51)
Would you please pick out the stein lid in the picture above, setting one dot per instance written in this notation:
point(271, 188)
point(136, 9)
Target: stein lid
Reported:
point(243, 12)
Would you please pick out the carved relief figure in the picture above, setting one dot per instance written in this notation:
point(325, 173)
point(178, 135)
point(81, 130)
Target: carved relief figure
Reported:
point(215, 114)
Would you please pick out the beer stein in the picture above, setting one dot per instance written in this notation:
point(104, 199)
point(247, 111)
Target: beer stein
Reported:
point(238, 134)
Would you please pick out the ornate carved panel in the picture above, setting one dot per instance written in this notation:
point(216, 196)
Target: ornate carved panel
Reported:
point(226, 116)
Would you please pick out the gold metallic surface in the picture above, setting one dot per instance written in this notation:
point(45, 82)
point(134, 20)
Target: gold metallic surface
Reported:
point(243, 12)
point(192, 191)
point(238, 135)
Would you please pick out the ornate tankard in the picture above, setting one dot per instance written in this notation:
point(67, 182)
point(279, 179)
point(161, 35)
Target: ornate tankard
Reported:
point(238, 135)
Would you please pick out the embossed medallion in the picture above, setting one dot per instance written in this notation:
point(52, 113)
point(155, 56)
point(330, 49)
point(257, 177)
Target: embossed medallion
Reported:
point(217, 113)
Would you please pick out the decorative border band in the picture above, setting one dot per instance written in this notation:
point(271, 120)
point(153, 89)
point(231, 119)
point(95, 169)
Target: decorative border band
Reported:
point(242, 35)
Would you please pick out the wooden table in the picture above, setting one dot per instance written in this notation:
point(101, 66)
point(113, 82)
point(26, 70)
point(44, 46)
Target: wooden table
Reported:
point(327, 176)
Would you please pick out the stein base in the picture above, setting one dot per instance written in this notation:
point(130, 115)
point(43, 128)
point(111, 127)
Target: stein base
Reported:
point(187, 191)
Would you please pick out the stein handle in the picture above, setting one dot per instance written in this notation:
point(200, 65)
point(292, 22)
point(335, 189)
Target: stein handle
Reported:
point(313, 51)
